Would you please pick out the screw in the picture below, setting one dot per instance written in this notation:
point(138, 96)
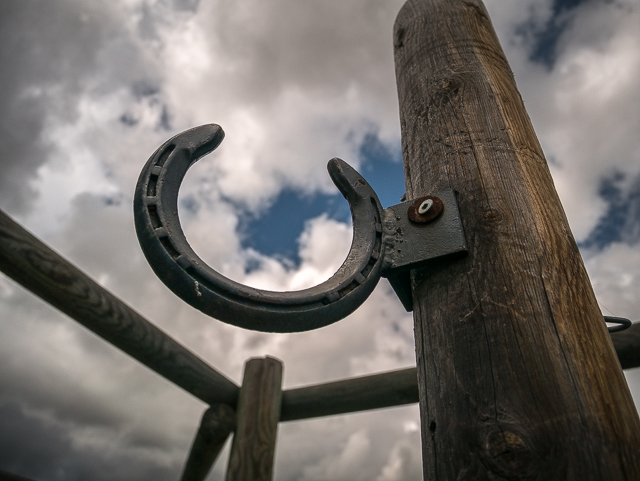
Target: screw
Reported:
point(425, 209)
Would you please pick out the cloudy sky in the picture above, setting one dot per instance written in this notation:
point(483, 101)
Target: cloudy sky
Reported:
point(88, 90)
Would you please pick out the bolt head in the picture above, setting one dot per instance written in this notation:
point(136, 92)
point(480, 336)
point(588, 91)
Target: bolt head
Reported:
point(425, 209)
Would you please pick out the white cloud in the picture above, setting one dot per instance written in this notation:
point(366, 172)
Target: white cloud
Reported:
point(404, 463)
point(585, 108)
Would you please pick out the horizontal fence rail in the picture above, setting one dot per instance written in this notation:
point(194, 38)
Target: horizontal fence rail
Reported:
point(350, 395)
point(45, 273)
point(627, 345)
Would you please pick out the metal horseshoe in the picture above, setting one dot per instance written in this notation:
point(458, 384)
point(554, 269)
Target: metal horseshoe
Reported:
point(179, 267)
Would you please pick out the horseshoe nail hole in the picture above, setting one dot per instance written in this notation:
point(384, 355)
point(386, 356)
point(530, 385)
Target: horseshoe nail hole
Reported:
point(372, 262)
point(165, 155)
point(331, 297)
point(183, 261)
point(153, 215)
point(166, 243)
point(151, 186)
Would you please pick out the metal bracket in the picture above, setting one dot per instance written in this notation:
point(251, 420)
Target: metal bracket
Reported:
point(386, 243)
point(411, 245)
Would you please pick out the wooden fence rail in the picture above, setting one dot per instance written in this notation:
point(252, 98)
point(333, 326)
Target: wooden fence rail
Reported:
point(350, 395)
point(627, 345)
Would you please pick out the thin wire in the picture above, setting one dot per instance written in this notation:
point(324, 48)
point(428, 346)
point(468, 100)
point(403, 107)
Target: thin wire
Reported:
point(622, 323)
point(608, 310)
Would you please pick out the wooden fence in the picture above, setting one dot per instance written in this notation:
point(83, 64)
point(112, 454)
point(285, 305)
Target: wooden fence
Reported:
point(252, 410)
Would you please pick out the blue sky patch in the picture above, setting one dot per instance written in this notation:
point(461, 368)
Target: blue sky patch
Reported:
point(275, 232)
point(382, 168)
point(621, 221)
point(545, 40)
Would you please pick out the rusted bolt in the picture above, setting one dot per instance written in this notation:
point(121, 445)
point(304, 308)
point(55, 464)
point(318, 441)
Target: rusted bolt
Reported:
point(425, 209)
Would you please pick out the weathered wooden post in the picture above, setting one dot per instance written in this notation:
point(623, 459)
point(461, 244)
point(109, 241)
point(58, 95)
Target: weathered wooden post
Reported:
point(258, 413)
point(517, 376)
point(218, 421)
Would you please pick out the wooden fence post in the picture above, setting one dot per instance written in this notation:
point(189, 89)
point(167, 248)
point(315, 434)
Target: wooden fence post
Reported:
point(517, 376)
point(258, 413)
point(218, 421)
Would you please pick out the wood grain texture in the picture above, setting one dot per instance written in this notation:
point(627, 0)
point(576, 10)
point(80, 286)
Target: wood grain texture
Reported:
point(216, 424)
point(376, 391)
point(258, 412)
point(517, 376)
point(35, 266)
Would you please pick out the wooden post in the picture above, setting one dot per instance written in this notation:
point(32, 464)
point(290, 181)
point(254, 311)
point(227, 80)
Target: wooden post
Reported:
point(217, 423)
point(517, 376)
point(258, 413)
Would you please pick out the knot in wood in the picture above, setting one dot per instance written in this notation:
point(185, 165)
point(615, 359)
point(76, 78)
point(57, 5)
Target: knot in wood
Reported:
point(511, 455)
point(492, 215)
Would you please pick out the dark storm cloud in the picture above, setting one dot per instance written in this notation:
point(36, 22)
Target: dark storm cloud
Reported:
point(46, 49)
point(55, 425)
point(50, 53)
point(42, 449)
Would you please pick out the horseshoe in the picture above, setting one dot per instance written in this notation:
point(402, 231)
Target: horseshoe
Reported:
point(179, 267)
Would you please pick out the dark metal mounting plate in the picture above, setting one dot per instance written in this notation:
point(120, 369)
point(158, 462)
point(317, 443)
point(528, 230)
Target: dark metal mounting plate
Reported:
point(410, 246)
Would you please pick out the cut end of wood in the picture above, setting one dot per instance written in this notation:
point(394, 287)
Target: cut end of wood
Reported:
point(258, 414)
